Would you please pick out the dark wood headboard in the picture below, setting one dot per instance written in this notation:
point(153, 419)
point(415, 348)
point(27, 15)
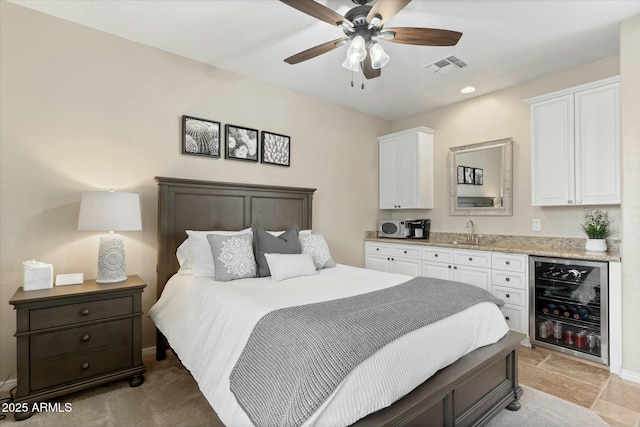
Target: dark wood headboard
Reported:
point(185, 204)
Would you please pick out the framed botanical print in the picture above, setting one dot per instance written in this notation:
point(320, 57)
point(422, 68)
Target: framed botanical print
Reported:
point(200, 137)
point(276, 149)
point(460, 174)
point(478, 176)
point(242, 143)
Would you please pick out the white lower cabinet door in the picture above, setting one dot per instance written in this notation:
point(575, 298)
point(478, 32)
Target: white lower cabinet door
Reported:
point(480, 277)
point(437, 270)
point(515, 317)
point(409, 267)
point(378, 263)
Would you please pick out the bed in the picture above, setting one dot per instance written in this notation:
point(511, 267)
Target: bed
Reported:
point(470, 391)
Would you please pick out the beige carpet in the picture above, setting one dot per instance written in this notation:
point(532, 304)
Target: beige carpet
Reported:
point(170, 397)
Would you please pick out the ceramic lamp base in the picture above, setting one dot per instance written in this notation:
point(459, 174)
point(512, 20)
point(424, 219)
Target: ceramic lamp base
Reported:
point(111, 261)
point(596, 245)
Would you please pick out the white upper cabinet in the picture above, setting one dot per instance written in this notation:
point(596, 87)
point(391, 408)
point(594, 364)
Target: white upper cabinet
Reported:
point(575, 140)
point(406, 169)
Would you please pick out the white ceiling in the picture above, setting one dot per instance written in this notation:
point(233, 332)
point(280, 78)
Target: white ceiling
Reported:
point(504, 43)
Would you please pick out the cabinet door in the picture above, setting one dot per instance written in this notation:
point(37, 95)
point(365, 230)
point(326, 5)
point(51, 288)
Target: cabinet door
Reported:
point(408, 172)
point(409, 267)
point(387, 171)
point(598, 146)
point(437, 270)
point(480, 277)
point(379, 263)
point(552, 152)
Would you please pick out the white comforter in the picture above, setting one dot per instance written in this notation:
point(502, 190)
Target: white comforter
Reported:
point(208, 323)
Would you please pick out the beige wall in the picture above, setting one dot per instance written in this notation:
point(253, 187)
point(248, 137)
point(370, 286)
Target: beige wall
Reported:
point(499, 115)
point(629, 72)
point(83, 110)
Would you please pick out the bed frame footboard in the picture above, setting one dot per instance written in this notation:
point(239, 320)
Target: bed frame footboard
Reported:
point(469, 392)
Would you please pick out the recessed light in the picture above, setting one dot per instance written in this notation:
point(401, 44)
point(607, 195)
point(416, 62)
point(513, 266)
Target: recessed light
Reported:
point(468, 89)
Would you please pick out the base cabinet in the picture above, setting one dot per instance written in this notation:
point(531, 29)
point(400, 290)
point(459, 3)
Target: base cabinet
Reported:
point(505, 275)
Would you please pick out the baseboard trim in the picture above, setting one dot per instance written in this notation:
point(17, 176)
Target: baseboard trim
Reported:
point(149, 351)
point(630, 376)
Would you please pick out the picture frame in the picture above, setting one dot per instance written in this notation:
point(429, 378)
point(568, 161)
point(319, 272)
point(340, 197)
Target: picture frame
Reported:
point(241, 143)
point(468, 175)
point(275, 149)
point(478, 176)
point(200, 137)
point(460, 174)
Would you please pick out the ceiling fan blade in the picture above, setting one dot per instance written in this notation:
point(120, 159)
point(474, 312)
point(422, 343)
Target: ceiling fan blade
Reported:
point(424, 36)
point(316, 10)
point(368, 71)
point(387, 9)
point(315, 51)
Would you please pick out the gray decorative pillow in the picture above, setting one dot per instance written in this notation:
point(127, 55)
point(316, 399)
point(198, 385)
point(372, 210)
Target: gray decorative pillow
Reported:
point(315, 245)
point(232, 256)
point(266, 243)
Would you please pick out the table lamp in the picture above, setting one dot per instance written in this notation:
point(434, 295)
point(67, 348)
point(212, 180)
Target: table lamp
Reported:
point(110, 211)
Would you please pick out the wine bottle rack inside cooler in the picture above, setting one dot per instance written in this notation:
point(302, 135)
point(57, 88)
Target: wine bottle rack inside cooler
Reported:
point(569, 306)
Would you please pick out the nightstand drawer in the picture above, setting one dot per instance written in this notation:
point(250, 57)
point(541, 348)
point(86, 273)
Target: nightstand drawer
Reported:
point(81, 339)
point(81, 312)
point(55, 372)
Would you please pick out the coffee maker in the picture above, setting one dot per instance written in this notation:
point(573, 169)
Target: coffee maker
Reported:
point(418, 228)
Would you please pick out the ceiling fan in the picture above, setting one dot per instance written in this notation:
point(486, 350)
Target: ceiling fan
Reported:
point(363, 26)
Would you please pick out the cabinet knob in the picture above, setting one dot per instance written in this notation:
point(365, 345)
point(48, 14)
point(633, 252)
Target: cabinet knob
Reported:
point(508, 296)
point(85, 365)
point(506, 317)
point(455, 268)
point(405, 252)
point(449, 266)
point(85, 312)
point(507, 279)
point(507, 262)
point(470, 259)
point(85, 338)
point(377, 249)
point(436, 255)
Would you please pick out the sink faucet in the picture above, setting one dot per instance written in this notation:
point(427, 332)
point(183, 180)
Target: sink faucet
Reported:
point(471, 237)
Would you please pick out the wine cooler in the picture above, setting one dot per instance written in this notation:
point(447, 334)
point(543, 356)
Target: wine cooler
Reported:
point(569, 306)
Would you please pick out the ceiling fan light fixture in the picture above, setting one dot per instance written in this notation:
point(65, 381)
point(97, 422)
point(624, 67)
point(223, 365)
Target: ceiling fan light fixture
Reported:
point(375, 21)
point(468, 89)
point(357, 51)
point(379, 57)
point(351, 65)
point(386, 35)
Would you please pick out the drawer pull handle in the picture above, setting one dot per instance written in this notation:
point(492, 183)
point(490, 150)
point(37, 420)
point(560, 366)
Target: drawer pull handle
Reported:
point(436, 255)
point(507, 279)
point(377, 249)
point(507, 262)
point(470, 259)
point(506, 317)
point(85, 312)
point(405, 252)
point(85, 365)
point(508, 296)
point(85, 338)
point(449, 266)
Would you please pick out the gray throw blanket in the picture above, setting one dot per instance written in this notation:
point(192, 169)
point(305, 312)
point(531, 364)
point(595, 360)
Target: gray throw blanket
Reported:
point(297, 356)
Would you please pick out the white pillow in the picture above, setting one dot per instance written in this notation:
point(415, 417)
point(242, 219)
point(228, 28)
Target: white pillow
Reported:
point(277, 233)
point(200, 256)
point(316, 246)
point(286, 266)
point(182, 254)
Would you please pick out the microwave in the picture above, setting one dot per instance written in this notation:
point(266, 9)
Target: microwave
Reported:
point(392, 228)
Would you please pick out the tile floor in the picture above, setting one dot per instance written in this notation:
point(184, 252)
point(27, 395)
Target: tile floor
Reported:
point(584, 383)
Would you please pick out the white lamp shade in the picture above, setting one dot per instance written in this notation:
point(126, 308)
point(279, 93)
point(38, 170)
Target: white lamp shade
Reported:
point(379, 57)
point(357, 51)
point(109, 211)
point(351, 65)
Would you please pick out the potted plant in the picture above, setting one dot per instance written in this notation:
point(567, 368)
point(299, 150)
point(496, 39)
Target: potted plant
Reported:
point(597, 226)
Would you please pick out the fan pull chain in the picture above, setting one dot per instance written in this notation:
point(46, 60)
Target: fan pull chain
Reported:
point(362, 79)
point(351, 78)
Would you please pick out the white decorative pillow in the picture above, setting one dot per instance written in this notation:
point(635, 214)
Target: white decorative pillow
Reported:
point(316, 246)
point(232, 256)
point(182, 254)
point(200, 257)
point(286, 266)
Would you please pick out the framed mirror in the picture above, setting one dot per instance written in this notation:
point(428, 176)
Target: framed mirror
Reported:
point(481, 178)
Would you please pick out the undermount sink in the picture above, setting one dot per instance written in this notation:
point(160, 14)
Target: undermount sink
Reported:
point(455, 242)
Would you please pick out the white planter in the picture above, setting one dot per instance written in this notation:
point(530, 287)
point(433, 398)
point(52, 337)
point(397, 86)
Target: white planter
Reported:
point(596, 245)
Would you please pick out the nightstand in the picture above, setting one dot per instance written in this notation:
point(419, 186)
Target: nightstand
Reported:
point(78, 336)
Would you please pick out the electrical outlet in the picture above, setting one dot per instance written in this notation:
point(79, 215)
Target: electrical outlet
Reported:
point(536, 225)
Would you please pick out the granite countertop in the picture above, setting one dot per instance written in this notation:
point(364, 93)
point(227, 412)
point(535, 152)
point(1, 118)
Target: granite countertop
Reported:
point(540, 246)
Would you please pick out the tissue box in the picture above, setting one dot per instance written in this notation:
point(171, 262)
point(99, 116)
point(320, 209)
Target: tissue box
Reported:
point(37, 275)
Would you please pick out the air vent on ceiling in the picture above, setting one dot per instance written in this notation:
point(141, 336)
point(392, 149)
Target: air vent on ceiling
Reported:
point(445, 66)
